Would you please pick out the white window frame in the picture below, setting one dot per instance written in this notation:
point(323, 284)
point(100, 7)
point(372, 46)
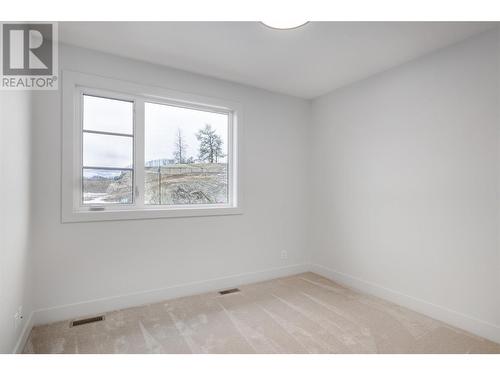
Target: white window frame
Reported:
point(75, 85)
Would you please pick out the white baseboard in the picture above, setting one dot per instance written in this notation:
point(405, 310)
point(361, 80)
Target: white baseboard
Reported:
point(23, 337)
point(454, 318)
point(98, 306)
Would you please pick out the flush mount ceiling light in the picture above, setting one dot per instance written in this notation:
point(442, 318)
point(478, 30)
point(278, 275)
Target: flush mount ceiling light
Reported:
point(284, 24)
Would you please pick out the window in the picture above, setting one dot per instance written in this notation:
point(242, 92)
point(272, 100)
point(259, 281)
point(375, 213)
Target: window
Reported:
point(108, 144)
point(136, 152)
point(185, 156)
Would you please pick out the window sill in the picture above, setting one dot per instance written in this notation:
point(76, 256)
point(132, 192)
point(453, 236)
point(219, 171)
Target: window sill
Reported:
point(147, 213)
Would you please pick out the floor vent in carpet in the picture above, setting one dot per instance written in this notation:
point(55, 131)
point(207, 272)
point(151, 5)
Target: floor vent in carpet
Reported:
point(80, 322)
point(229, 291)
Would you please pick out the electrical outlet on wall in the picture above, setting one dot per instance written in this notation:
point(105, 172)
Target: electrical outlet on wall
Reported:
point(18, 317)
point(284, 254)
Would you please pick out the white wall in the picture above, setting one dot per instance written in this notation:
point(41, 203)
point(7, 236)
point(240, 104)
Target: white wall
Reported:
point(15, 249)
point(401, 171)
point(78, 262)
point(407, 184)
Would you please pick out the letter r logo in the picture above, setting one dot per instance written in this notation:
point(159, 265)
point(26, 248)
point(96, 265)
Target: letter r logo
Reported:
point(27, 49)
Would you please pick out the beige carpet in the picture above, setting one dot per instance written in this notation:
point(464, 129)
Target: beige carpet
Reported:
point(300, 314)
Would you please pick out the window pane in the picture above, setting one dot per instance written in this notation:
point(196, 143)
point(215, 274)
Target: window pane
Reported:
point(186, 156)
point(100, 150)
point(107, 186)
point(107, 115)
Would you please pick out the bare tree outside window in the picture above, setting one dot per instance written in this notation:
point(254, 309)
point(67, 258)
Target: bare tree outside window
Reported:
point(180, 148)
point(210, 149)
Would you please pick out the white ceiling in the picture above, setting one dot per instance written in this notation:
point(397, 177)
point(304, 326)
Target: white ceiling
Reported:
point(305, 62)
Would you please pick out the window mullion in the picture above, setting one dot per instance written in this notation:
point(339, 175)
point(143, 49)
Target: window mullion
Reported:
point(139, 141)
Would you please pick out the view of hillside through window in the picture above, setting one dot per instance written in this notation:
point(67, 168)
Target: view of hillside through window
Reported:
point(185, 156)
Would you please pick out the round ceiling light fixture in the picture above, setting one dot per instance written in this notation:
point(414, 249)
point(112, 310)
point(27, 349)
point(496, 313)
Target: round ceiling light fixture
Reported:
point(284, 24)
